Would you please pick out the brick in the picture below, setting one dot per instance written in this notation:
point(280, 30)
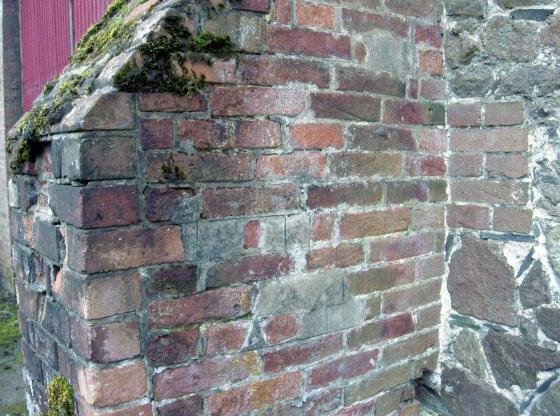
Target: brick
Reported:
point(437, 191)
point(172, 348)
point(365, 164)
point(411, 297)
point(343, 255)
point(374, 223)
point(361, 80)
point(356, 21)
point(47, 239)
point(281, 328)
point(282, 11)
point(410, 347)
point(430, 9)
point(98, 251)
point(432, 89)
point(112, 386)
point(301, 353)
point(351, 194)
point(315, 15)
point(504, 114)
point(256, 134)
point(465, 165)
point(316, 136)
point(307, 42)
point(156, 133)
point(429, 34)
point(256, 395)
point(428, 317)
point(322, 227)
point(106, 343)
point(429, 267)
point(359, 409)
point(381, 278)
point(270, 71)
point(133, 410)
point(464, 115)
point(226, 337)
point(219, 203)
point(252, 5)
point(220, 71)
point(425, 165)
point(253, 233)
point(300, 165)
point(162, 203)
point(207, 167)
point(402, 192)
point(203, 134)
point(343, 368)
point(204, 375)
point(468, 216)
point(231, 101)
point(379, 331)
point(434, 140)
point(346, 107)
point(382, 381)
point(396, 248)
point(427, 217)
point(170, 281)
point(409, 112)
point(431, 62)
point(483, 191)
point(379, 138)
point(27, 192)
point(171, 103)
point(503, 139)
point(227, 303)
point(513, 220)
point(249, 269)
point(191, 406)
point(510, 165)
point(95, 206)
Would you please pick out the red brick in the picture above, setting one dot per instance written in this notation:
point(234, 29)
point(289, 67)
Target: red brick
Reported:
point(281, 328)
point(98, 251)
point(204, 375)
point(360, 52)
point(462, 140)
point(172, 348)
point(302, 353)
point(468, 216)
point(156, 133)
point(219, 203)
point(429, 267)
point(430, 9)
point(358, 410)
point(203, 134)
point(252, 234)
point(431, 62)
point(112, 386)
point(427, 217)
point(316, 136)
point(483, 191)
point(434, 140)
point(413, 88)
point(219, 71)
point(379, 331)
point(510, 165)
point(224, 303)
point(256, 395)
point(307, 42)
point(374, 223)
point(95, 207)
point(410, 347)
point(396, 248)
point(381, 278)
point(343, 368)
point(161, 203)
point(191, 406)
point(346, 106)
point(315, 15)
point(365, 164)
point(256, 134)
point(379, 138)
point(432, 89)
point(465, 165)
point(303, 165)
point(170, 281)
point(505, 139)
point(205, 167)
point(425, 165)
point(464, 115)
point(351, 194)
point(411, 297)
point(410, 112)
point(343, 255)
point(504, 113)
point(513, 220)
point(322, 227)
point(232, 101)
point(428, 317)
point(431, 34)
point(282, 11)
point(171, 103)
point(356, 21)
point(226, 337)
point(401, 192)
point(249, 269)
point(361, 80)
point(270, 71)
point(252, 5)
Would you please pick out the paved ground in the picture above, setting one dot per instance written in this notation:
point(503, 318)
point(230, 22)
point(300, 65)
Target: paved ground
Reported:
point(12, 396)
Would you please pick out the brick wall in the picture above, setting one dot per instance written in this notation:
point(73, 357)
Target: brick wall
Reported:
point(273, 245)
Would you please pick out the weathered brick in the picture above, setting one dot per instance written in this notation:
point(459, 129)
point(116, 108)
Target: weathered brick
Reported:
point(169, 281)
point(203, 134)
point(374, 223)
point(359, 22)
point(282, 11)
point(483, 191)
point(431, 139)
point(329, 196)
point(315, 15)
point(171, 103)
point(191, 406)
point(359, 409)
point(256, 395)
point(378, 138)
point(346, 107)
point(432, 89)
point(513, 220)
point(395, 248)
point(219, 203)
point(429, 267)
point(300, 165)
point(381, 278)
point(281, 328)
point(411, 297)
point(427, 217)
point(382, 381)
point(504, 139)
point(156, 133)
point(425, 165)
point(510, 165)
point(464, 115)
point(365, 164)
point(428, 317)
point(219, 71)
point(132, 410)
point(172, 348)
point(379, 331)
point(316, 136)
point(97, 251)
point(430, 9)
point(465, 165)
point(226, 337)
point(252, 233)
point(468, 216)
point(431, 62)
point(343, 368)
point(430, 34)
point(224, 303)
point(361, 80)
point(162, 203)
point(409, 112)
point(504, 114)
point(343, 255)
point(401, 192)
point(322, 227)
point(307, 42)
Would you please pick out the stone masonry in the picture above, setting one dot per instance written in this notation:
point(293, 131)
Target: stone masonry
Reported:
point(359, 210)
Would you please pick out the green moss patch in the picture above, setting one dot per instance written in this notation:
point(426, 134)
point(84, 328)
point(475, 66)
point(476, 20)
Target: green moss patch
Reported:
point(60, 397)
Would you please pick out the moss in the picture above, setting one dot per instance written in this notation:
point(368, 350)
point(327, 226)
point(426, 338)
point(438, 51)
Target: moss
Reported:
point(60, 399)
point(172, 172)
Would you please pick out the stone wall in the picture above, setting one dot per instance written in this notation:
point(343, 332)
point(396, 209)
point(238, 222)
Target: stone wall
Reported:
point(272, 246)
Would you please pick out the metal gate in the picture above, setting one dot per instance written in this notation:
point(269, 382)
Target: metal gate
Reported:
point(50, 29)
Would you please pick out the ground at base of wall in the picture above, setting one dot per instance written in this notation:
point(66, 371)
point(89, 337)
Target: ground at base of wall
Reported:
point(12, 393)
